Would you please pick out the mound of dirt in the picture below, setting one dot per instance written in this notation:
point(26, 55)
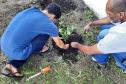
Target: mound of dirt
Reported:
point(66, 5)
point(71, 53)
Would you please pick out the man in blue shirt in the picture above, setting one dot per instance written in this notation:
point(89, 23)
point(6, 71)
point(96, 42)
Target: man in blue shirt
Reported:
point(27, 33)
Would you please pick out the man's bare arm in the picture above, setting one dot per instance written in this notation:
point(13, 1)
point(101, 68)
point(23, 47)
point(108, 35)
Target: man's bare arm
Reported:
point(101, 21)
point(60, 43)
point(90, 25)
point(90, 50)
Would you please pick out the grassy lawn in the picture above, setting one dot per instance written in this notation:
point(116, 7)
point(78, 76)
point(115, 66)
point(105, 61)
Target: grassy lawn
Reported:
point(64, 72)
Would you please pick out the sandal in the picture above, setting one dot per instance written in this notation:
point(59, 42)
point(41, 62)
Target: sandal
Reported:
point(8, 73)
point(17, 75)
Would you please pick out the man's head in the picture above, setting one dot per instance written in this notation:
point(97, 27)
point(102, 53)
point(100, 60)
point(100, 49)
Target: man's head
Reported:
point(53, 11)
point(116, 9)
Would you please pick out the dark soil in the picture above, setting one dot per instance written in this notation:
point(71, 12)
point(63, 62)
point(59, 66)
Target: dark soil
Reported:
point(66, 5)
point(71, 53)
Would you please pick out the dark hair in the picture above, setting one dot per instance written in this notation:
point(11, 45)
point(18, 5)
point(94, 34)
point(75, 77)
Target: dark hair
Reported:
point(44, 3)
point(55, 9)
point(119, 5)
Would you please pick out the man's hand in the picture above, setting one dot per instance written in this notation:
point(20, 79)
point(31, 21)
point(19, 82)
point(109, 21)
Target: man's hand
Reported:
point(87, 27)
point(66, 46)
point(60, 43)
point(74, 44)
point(90, 50)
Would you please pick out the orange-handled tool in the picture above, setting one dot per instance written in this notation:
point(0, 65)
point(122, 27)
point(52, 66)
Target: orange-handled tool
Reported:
point(43, 71)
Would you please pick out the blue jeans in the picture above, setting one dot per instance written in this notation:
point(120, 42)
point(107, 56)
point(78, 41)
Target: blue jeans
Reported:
point(37, 45)
point(103, 58)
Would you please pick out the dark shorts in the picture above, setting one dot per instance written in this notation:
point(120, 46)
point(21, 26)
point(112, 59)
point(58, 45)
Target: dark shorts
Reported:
point(37, 45)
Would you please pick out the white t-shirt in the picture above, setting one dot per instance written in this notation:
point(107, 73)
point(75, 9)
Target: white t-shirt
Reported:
point(114, 41)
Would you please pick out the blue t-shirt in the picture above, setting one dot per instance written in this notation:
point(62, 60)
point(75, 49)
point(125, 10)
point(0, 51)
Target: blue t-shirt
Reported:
point(24, 27)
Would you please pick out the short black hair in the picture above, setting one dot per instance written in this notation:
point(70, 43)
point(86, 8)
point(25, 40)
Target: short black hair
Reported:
point(119, 5)
point(54, 8)
point(44, 3)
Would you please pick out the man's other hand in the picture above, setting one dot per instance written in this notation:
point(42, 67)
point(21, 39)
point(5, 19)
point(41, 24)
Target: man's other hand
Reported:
point(87, 27)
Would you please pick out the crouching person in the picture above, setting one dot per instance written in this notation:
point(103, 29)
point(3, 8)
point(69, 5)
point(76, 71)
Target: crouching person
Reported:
point(112, 38)
point(27, 33)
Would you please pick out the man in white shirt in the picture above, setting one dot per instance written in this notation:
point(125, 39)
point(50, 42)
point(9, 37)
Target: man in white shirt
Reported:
point(112, 38)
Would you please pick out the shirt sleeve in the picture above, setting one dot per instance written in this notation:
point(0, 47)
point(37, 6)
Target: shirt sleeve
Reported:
point(112, 43)
point(54, 32)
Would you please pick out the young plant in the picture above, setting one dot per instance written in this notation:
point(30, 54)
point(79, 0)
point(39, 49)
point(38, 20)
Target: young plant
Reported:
point(65, 31)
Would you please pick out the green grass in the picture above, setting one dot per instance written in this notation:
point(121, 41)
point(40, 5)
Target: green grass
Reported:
point(64, 73)
point(61, 73)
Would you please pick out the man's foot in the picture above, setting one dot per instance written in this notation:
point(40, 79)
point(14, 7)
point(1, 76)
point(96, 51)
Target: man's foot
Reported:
point(124, 71)
point(93, 59)
point(124, 63)
point(99, 65)
point(11, 71)
point(45, 49)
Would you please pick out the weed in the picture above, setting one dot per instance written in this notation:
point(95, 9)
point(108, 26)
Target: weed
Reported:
point(89, 15)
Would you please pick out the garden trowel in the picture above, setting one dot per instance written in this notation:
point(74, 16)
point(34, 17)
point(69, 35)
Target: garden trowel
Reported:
point(43, 71)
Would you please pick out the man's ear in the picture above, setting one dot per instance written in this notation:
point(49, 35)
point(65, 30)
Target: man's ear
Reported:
point(122, 14)
point(53, 16)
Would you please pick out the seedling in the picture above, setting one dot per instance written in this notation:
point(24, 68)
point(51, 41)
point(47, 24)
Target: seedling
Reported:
point(65, 31)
